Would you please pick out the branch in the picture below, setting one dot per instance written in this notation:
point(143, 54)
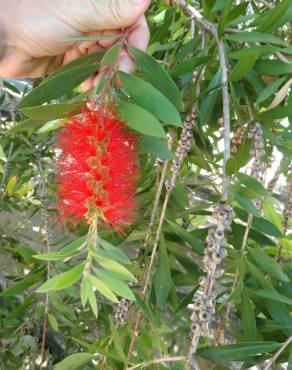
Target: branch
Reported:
point(45, 218)
point(277, 354)
point(158, 361)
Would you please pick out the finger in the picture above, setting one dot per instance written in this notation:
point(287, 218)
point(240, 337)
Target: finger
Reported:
point(110, 42)
point(139, 38)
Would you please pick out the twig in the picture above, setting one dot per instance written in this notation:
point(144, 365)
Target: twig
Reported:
point(158, 361)
point(277, 354)
point(149, 270)
point(45, 217)
point(182, 150)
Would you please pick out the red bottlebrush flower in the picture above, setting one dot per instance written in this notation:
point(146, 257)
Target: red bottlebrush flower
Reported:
point(98, 169)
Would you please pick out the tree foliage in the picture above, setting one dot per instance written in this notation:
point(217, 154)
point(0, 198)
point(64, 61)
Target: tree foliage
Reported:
point(88, 321)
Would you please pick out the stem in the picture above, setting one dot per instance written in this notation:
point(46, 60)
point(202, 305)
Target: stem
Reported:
point(277, 354)
point(48, 245)
point(158, 361)
point(236, 275)
point(144, 291)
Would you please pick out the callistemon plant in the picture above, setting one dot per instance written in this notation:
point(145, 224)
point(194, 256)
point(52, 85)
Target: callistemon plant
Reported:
point(98, 169)
point(97, 175)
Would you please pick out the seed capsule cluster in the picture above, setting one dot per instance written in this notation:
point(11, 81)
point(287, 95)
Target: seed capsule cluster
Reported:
point(288, 207)
point(237, 140)
point(203, 308)
point(258, 167)
point(184, 146)
point(122, 312)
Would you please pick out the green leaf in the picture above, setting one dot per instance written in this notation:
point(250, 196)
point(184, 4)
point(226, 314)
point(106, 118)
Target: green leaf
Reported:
point(75, 244)
point(84, 290)
point(140, 119)
point(22, 285)
point(247, 317)
point(210, 98)
point(92, 301)
point(72, 249)
point(62, 281)
point(158, 77)
point(28, 125)
point(269, 264)
point(115, 268)
point(75, 361)
point(151, 99)
point(57, 85)
point(274, 296)
point(114, 252)
point(53, 322)
point(2, 154)
point(231, 166)
point(11, 185)
point(238, 351)
point(253, 184)
point(162, 280)
point(269, 90)
point(247, 205)
point(255, 37)
point(263, 50)
point(273, 67)
point(243, 156)
point(243, 67)
point(155, 147)
point(102, 288)
point(266, 227)
point(51, 111)
point(117, 339)
point(116, 285)
point(92, 38)
point(273, 15)
point(188, 66)
point(187, 237)
point(111, 55)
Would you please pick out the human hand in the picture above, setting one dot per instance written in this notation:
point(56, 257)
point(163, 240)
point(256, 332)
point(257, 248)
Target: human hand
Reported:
point(33, 32)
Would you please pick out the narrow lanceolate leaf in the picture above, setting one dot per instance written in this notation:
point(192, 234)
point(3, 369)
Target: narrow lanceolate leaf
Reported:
point(51, 111)
point(266, 227)
point(102, 288)
point(188, 66)
point(57, 85)
point(74, 362)
point(272, 16)
point(157, 75)
point(116, 285)
point(84, 290)
point(115, 268)
point(273, 296)
point(247, 316)
point(155, 147)
point(281, 94)
point(255, 37)
point(114, 252)
point(72, 249)
point(162, 280)
point(92, 300)
point(140, 119)
point(2, 154)
point(269, 264)
point(273, 67)
point(238, 351)
point(91, 38)
point(252, 184)
point(62, 281)
point(243, 67)
point(111, 55)
point(151, 99)
point(247, 205)
point(269, 90)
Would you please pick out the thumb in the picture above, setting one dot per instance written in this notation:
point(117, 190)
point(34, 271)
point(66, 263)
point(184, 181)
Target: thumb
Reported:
point(114, 14)
point(120, 13)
